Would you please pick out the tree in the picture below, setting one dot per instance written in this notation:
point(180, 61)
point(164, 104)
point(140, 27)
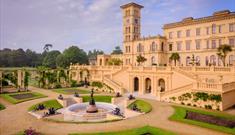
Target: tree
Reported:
point(223, 51)
point(47, 47)
point(115, 61)
point(175, 57)
point(117, 50)
point(50, 59)
point(61, 61)
point(75, 55)
point(94, 53)
point(140, 59)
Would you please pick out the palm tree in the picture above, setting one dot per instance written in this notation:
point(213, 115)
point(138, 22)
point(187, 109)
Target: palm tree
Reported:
point(223, 50)
point(140, 59)
point(46, 47)
point(175, 57)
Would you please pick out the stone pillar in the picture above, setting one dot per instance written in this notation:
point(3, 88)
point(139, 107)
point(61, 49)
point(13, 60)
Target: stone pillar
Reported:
point(131, 84)
point(19, 79)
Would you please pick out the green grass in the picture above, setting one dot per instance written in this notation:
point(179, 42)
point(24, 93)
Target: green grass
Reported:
point(180, 113)
point(16, 101)
point(142, 105)
point(2, 107)
point(98, 98)
point(69, 91)
point(48, 104)
point(136, 131)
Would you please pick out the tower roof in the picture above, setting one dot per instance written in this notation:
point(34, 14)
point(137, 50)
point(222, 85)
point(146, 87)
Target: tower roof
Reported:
point(131, 4)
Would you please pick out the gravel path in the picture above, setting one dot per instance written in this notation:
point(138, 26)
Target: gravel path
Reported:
point(15, 118)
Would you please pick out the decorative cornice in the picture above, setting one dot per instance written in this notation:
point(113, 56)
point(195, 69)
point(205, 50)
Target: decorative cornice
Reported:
point(131, 4)
point(220, 15)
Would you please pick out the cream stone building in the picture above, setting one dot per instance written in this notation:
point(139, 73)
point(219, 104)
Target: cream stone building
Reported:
point(158, 78)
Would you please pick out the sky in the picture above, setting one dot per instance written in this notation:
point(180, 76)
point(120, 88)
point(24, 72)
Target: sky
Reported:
point(89, 24)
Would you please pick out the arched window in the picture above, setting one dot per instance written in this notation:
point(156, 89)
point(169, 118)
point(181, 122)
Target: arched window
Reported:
point(231, 58)
point(162, 46)
point(207, 60)
point(213, 60)
point(153, 60)
point(148, 85)
point(153, 47)
point(198, 60)
point(219, 62)
point(136, 84)
point(187, 61)
point(161, 84)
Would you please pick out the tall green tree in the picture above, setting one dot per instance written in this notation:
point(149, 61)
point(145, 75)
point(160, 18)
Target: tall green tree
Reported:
point(140, 59)
point(223, 51)
point(117, 50)
point(50, 59)
point(175, 57)
point(75, 55)
point(62, 61)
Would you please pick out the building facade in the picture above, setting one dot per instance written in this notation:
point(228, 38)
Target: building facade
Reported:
point(157, 78)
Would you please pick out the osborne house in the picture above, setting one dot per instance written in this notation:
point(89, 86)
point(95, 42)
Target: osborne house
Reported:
point(197, 70)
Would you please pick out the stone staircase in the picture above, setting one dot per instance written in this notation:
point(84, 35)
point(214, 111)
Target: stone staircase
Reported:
point(176, 91)
point(113, 84)
point(185, 73)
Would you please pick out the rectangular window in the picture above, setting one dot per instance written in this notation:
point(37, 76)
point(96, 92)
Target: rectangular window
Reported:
point(170, 35)
point(220, 42)
point(213, 28)
point(188, 45)
point(213, 44)
point(198, 32)
point(178, 34)
point(170, 47)
point(207, 44)
point(232, 42)
point(178, 46)
point(207, 30)
point(231, 27)
point(220, 28)
point(198, 44)
point(187, 33)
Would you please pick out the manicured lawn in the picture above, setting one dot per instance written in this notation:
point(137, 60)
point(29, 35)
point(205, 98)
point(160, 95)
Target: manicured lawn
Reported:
point(180, 113)
point(2, 106)
point(142, 105)
point(147, 130)
point(48, 104)
point(70, 91)
point(19, 97)
point(98, 98)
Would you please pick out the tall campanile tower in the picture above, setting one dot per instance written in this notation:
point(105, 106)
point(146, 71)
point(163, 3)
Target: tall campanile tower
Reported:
point(131, 21)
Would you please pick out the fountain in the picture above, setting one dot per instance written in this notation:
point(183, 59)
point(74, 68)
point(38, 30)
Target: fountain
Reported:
point(91, 111)
point(92, 107)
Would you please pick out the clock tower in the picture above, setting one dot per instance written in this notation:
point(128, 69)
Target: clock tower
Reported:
point(131, 21)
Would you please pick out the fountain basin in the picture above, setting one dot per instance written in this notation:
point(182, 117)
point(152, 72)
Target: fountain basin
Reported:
point(78, 112)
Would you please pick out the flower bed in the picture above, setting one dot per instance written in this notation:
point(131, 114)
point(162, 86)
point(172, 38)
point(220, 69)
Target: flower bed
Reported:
point(210, 119)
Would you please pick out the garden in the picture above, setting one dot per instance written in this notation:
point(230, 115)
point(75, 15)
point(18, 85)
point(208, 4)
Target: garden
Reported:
point(19, 97)
point(141, 106)
point(209, 119)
